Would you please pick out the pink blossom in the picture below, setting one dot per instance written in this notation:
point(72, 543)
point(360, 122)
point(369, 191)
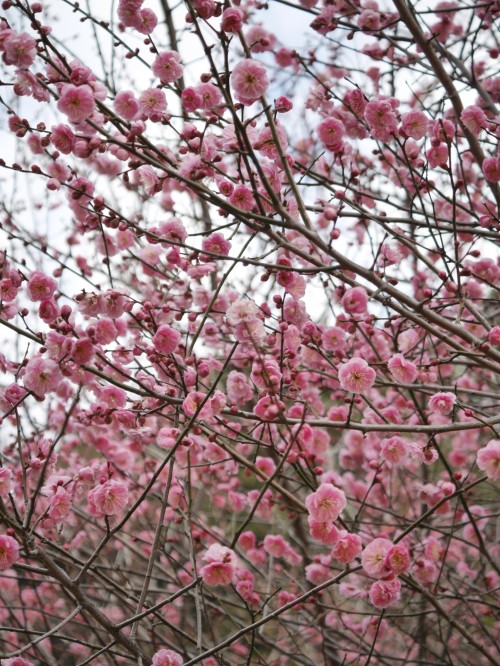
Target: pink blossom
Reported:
point(402, 370)
point(126, 105)
point(394, 450)
point(153, 103)
point(323, 531)
point(41, 287)
point(216, 243)
point(238, 389)
point(192, 403)
point(415, 124)
point(347, 548)
point(242, 197)
point(397, 559)
point(167, 66)
point(63, 139)
point(386, 593)
point(145, 21)
point(190, 98)
point(373, 558)
point(488, 459)
point(326, 503)
point(356, 376)
point(381, 119)
point(333, 339)
point(438, 156)
point(9, 551)
point(19, 50)
point(232, 20)
point(210, 96)
point(60, 504)
point(331, 132)
point(442, 402)
point(491, 169)
point(108, 499)
point(77, 102)
point(41, 376)
point(474, 118)
point(5, 481)
point(494, 335)
point(221, 566)
point(167, 658)
point(355, 300)
point(249, 80)
point(166, 339)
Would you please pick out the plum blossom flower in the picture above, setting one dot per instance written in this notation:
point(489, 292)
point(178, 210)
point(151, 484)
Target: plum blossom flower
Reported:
point(41, 376)
point(323, 531)
point(442, 402)
point(402, 370)
point(77, 102)
point(5, 481)
point(19, 50)
point(326, 503)
point(249, 80)
point(167, 658)
point(355, 300)
point(397, 559)
point(41, 287)
point(126, 105)
point(356, 376)
point(166, 339)
point(347, 548)
point(373, 558)
point(167, 66)
point(491, 169)
point(9, 551)
point(415, 124)
point(152, 103)
point(474, 118)
point(232, 20)
point(488, 459)
point(221, 566)
point(394, 450)
point(108, 499)
point(385, 593)
point(331, 132)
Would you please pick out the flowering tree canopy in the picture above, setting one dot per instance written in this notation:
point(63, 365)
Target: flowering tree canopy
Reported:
point(251, 338)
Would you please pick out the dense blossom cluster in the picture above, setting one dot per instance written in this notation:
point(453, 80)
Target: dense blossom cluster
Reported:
point(249, 291)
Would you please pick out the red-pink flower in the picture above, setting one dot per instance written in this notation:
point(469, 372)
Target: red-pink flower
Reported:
point(326, 503)
point(394, 450)
point(249, 80)
point(41, 287)
point(167, 66)
point(41, 376)
point(333, 339)
point(166, 339)
point(415, 124)
point(488, 459)
point(355, 300)
point(5, 481)
point(63, 139)
point(232, 20)
point(397, 559)
point(385, 593)
point(9, 551)
point(331, 132)
point(108, 498)
point(242, 197)
point(153, 103)
point(77, 102)
point(221, 566)
point(491, 169)
point(356, 376)
point(373, 558)
point(216, 243)
point(19, 50)
point(323, 531)
point(474, 118)
point(442, 402)
point(167, 658)
point(402, 370)
point(347, 548)
point(126, 105)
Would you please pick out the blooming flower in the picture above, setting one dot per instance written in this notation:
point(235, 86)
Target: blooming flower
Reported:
point(373, 558)
point(221, 566)
point(108, 498)
point(167, 658)
point(442, 402)
point(347, 548)
point(166, 339)
point(386, 593)
point(41, 287)
point(356, 376)
point(414, 124)
point(152, 103)
point(401, 369)
point(77, 102)
point(9, 551)
point(167, 66)
point(41, 376)
point(326, 503)
point(331, 133)
point(249, 80)
point(488, 459)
